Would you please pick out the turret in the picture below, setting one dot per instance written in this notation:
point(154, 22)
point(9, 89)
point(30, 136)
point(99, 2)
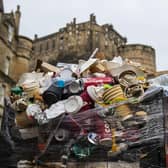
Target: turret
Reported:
point(92, 18)
point(35, 37)
point(17, 19)
point(140, 53)
point(74, 21)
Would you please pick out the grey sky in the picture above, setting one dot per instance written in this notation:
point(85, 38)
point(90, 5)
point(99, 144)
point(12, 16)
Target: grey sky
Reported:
point(141, 21)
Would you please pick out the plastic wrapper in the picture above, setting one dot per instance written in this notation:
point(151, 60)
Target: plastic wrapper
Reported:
point(86, 119)
point(160, 81)
point(29, 78)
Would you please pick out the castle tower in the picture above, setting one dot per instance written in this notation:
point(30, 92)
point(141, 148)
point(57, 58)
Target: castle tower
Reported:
point(140, 53)
point(18, 61)
point(22, 60)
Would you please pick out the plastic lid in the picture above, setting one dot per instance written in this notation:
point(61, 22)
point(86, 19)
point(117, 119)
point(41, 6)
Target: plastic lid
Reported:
point(60, 83)
point(73, 104)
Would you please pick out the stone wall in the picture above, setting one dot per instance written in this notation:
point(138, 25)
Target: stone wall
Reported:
point(140, 53)
point(21, 61)
point(6, 56)
point(77, 41)
point(161, 73)
point(14, 49)
point(15, 62)
point(73, 42)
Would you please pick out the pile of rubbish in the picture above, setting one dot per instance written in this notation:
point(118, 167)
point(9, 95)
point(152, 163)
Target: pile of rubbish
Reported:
point(86, 106)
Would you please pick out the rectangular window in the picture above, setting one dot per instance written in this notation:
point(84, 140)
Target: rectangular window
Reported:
point(10, 33)
point(6, 67)
point(40, 48)
point(53, 44)
point(47, 45)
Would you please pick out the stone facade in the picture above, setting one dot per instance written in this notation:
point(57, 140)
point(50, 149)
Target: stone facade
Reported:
point(18, 54)
point(14, 52)
point(140, 53)
point(22, 60)
point(78, 41)
point(14, 49)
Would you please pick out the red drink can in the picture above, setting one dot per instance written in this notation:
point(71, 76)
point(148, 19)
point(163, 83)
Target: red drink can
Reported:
point(97, 81)
point(104, 131)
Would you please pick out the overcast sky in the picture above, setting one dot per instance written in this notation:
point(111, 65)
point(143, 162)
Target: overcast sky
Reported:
point(141, 21)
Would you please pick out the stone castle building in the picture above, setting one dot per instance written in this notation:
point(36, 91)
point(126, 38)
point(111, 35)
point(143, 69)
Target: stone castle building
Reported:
point(78, 40)
point(15, 52)
point(15, 49)
point(18, 54)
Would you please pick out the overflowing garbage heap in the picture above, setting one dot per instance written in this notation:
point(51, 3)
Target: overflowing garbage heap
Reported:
point(94, 109)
